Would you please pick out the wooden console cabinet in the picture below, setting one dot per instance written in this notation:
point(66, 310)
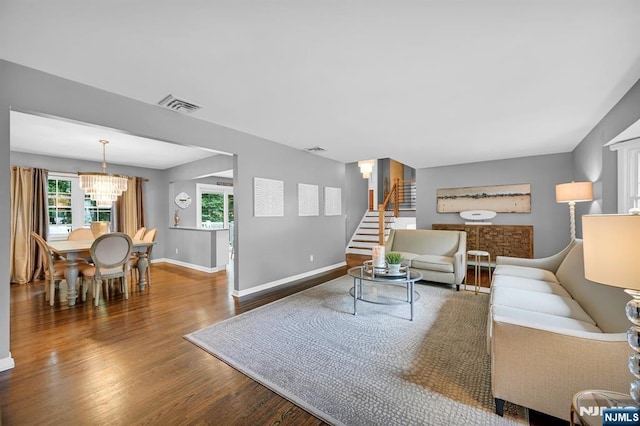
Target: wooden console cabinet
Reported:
point(499, 240)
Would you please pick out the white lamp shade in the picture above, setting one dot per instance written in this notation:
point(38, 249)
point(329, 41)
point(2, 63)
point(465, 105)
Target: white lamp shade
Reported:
point(574, 191)
point(612, 249)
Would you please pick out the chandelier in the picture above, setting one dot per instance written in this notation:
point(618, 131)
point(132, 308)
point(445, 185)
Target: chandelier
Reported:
point(103, 188)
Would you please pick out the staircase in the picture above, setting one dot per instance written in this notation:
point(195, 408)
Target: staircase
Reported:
point(366, 236)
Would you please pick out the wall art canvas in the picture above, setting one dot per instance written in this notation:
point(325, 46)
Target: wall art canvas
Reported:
point(498, 198)
point(268, 197)
point(332, 201)
point(308, 204)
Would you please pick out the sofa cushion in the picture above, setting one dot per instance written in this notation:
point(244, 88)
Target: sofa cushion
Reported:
point(407, 257)
point(551, 304)
point(433, 263)
point(605, 304)
point(529, 284)
point(423, 241)
point(548, 320)
point(525, 272)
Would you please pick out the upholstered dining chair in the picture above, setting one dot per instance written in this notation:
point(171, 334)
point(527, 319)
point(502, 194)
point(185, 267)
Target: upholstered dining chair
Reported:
point(139, 234)
point(150, 237)
point(110, 254)
point(53, 269)
point(80, 234)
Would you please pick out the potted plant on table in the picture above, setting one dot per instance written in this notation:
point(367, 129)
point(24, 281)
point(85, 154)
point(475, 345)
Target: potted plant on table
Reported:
point(394, 261)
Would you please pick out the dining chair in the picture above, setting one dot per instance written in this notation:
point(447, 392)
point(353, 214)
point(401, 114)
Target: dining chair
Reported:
point(134, 256)
point(149, 237)
point(139, 234)
point(110, 254)
point(53, 269)
point(80, 234)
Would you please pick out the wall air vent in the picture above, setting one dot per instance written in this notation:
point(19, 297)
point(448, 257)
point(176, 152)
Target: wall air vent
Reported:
point(315, 149)
point(179, 105)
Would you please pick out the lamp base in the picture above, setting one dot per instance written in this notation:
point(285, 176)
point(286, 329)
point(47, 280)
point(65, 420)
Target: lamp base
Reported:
point(632, 310)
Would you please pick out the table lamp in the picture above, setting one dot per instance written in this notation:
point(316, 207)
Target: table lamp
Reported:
point(572, 193)
point(612, 257)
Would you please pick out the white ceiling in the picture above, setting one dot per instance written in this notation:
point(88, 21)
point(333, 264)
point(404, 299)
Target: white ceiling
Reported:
point(428, 83)
point(50, 136)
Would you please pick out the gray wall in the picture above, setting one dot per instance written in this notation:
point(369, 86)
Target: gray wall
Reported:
point(262, 242)
point(189, 215)
point(550, 220)
point(594, 162)
point(203, 167)
point(357, 195)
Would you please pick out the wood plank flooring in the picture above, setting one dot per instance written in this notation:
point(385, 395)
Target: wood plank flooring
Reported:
point(125, 362)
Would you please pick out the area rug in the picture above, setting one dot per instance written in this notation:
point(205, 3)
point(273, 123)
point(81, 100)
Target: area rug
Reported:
point(374, 368)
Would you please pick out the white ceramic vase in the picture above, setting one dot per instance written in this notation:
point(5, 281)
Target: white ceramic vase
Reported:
point(394, 268)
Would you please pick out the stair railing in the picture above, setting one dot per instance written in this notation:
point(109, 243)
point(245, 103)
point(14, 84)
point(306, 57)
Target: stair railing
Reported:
point(394, 194)
point(400, 190)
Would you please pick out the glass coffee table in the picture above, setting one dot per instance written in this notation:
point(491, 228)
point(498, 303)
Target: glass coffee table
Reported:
point(367, 280)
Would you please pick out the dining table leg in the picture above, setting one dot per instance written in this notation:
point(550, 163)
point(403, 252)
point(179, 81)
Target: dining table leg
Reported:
point(71, 276)
point(143, 264)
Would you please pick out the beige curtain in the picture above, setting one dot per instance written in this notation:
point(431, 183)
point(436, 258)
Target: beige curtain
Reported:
point(40, 224)
point(130, 207)
point(28, 213)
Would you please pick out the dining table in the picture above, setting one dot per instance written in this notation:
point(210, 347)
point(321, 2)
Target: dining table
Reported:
point(75, 250)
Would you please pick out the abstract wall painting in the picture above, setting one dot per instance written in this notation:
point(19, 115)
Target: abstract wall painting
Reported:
point(498, 198)
point(308, 204)
point(268, 197)
point(332, 201)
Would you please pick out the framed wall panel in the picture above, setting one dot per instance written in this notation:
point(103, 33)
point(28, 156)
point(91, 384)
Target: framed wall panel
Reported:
point(498, 198)
point(332, 201)
point(268, 197)
point(308, 200)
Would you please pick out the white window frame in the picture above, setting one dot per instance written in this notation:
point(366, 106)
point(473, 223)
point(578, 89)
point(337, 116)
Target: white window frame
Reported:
point(60, 232)
point(628, 174)
point(206, 188)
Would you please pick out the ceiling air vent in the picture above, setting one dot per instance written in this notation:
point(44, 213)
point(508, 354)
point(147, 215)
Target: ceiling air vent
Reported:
point(180, 105)
point(315, 149)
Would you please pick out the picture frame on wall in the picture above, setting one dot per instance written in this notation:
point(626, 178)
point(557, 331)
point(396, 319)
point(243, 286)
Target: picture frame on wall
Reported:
point(332, 201)
point(268, 197)
point(514, 198)
point(308, 200)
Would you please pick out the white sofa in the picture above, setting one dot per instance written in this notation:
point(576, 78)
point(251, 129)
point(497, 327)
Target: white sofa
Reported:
point(439, 255)
point(552, 333)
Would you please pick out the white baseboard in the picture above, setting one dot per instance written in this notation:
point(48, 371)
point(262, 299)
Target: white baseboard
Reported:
point(7, 363)
point(287, 280)
point(190, 265)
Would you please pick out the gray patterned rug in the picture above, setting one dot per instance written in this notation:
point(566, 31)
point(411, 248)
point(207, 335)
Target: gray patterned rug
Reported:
point(376, 368)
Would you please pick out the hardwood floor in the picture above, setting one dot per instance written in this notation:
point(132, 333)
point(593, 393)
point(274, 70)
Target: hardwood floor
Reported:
point(125, 362)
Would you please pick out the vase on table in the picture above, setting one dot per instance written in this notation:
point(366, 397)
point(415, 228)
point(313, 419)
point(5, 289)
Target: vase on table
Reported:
point(394, 268)
point(176, 218)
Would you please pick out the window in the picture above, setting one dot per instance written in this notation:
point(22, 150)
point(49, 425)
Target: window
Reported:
point(59, 201)
point(93, 213)
point(69, 207)
point(215, 207)
point(628, 174)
